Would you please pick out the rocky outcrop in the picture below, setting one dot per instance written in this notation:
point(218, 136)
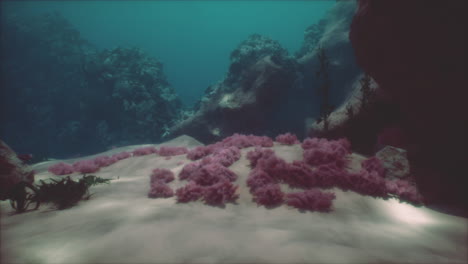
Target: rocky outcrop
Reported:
point(61, 96)
point(12, 170)
point(246, 103)
point(268, 92)
point(343, 71)
point(416, 52)
point(128, 97)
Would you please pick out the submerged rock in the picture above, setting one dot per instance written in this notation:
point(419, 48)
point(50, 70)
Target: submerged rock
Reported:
point(12, 170)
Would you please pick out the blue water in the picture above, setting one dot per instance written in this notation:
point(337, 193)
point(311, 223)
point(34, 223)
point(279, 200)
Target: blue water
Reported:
point(193, 39)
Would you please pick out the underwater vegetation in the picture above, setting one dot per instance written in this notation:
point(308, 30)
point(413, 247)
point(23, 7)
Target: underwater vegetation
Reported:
point(375, 90)
point(66, 192)
point(324, 165)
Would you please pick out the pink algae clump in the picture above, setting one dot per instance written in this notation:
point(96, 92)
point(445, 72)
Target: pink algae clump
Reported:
point(226, 156)
point(220, 193)
point(269, 195)
point(85, 166)
point(318, 151)
point(172, 151)
point(61, 169)
point(144, 151)
point(104, 161)
point(287, 139)
point(158, 182)
point(404, 190)
point(122, 155)
point(162, 175)
point(189, 193)
point(160, 190)
point(374, 164)
point(311, 200)
point(199, 152)
point(245, 141)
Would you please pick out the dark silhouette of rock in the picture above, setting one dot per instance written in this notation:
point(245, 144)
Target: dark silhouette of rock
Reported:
point(247, 105)
point(416, 52)
point(12, 170)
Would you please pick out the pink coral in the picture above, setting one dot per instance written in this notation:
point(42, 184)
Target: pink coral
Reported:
point(212, 173)
point(374, 164)
point(367, 183)
point(245, 141)
point(220, 193)
point(321, 151)
point(287, 139)
point(269, 195)
point(311, 200)
point(144, 151)
point(259, 178)
point(199, 152)
point(299, 175)
point(122, 155)
point(226, 156)
point(162, 175)
point(61, 169)
point(172, 151)
point(254, 155)
point(104, 161)
point(190, 192)
point(405, 191)
point(160, 190)
point(85, 166)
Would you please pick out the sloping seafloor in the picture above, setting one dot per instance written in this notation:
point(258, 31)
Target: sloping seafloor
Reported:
point(120, 224)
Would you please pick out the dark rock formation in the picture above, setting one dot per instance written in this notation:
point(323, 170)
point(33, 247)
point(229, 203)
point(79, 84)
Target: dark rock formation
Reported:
point(128, 96)
point(343, 71)
point(12, 170)
point(247, 104)
point(61, 96)
point(416, 52)
point(266, 92)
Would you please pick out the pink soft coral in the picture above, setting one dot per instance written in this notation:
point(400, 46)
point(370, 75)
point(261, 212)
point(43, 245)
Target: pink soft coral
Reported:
point(144, 151)
point(85, 166)
point(61, 169)
point(122, 155)
point(287, 139)
point(220, 193)
point(405, 190)
point(254, 155)
point(226, 156)
point(172, 151)
point(162, 175)
point(190, 192)
point(160, 190)
point(104, 161)
point(312, 200)
point(245, 141)
point(269, 195)
point(374, 164)
point(199, 152)
point(259, 178)
point(321, 151)
point(212, 173)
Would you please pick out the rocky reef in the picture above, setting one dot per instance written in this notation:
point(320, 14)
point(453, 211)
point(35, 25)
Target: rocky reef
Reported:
point(268, 92)
point(415, 51)
point(61, 95)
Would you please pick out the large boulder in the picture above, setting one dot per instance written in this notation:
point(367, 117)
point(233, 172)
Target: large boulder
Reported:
point(416, 52)
point(12, 170)
point(246, 106)
point(247, 100)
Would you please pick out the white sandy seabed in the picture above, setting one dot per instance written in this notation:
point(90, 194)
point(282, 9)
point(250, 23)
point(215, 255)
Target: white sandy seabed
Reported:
point(120, 224)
